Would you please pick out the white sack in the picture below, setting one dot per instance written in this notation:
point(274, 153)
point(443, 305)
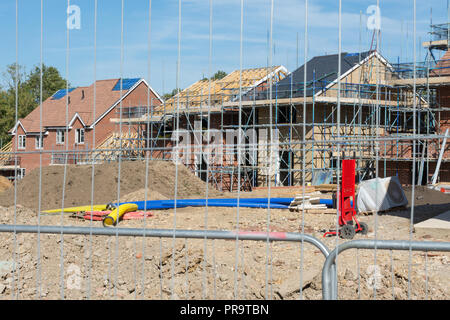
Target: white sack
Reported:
point(380, 194)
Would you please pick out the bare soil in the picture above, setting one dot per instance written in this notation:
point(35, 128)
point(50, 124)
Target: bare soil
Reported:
point(101, 267)
point(5, 184)
point(78, 184)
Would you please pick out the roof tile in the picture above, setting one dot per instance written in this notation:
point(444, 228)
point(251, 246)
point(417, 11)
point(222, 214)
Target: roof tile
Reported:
point(81, 102)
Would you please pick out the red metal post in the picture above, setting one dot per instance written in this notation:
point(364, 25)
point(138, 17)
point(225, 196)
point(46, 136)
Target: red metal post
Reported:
point(347, 192)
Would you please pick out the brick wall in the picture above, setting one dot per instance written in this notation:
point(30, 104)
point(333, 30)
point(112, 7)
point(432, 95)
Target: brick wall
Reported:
point(30, 159)
point(401, 168)
point(444, 171)
point(138, 97)
point(404, 171)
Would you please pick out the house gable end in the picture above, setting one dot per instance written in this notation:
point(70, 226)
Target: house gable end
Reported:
point(129, 95)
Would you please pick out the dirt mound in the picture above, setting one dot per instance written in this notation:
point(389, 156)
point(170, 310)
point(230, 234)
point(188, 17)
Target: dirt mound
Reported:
point(140, 195)
point(161, 178)
point(5, 184)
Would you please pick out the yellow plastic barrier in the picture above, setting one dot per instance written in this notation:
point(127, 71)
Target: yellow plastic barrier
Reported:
point(101, 207)
point(117, 213)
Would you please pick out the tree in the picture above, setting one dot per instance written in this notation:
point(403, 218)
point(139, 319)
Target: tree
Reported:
point(51, 82)
point(26, 101)
point(28, 93)
point(9, 76)
point(171, 94)
point(219, 75)
point(7, 116)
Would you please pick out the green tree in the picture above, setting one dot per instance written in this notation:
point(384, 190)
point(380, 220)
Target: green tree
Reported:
point(219, 75)
point(171, 94)
point(7, 116)
point(28, 93)
point(51, 82)
point(25, 96)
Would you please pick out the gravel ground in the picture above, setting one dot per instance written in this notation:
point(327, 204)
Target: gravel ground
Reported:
point(100, 267)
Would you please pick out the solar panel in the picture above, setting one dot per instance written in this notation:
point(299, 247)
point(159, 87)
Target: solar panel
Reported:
point(126, 84)
point(61, 93)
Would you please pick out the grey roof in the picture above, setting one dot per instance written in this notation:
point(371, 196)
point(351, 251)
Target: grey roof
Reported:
point(320, 71)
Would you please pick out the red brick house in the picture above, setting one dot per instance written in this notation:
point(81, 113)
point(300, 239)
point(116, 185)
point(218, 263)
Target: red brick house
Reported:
point(73, 131)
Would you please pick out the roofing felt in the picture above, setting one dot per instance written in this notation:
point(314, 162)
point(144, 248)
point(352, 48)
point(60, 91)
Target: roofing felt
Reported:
point(322, 70)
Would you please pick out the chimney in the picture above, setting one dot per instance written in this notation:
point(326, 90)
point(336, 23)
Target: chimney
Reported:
point(82, 94)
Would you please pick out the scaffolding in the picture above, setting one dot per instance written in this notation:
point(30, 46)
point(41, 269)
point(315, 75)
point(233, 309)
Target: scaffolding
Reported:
point(378, 108)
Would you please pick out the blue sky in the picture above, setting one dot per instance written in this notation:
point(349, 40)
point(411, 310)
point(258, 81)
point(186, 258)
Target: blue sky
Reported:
point(397, 30)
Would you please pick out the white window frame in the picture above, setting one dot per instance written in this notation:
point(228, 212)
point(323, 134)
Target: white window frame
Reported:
point(22, 143)
point(60, 136)
point(36, 142)
point(78, 136)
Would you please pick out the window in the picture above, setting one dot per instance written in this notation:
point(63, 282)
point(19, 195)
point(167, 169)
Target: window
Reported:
point(79, 136)
point(39, 142)
point(22, 141)
point(21, 173)
point(60, 136)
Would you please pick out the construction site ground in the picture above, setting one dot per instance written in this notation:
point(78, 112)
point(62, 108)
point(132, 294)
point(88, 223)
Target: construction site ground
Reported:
point(100, 267)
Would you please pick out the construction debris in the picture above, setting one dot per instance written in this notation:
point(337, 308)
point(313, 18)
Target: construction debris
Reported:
point(310, 203)
point(443, 187)
point(326, 187)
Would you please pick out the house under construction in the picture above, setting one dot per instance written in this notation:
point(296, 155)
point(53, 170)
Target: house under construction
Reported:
point(266, 126)
point(375, 125)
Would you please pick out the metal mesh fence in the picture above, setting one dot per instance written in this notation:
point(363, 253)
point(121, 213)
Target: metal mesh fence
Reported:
point(117, 191)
